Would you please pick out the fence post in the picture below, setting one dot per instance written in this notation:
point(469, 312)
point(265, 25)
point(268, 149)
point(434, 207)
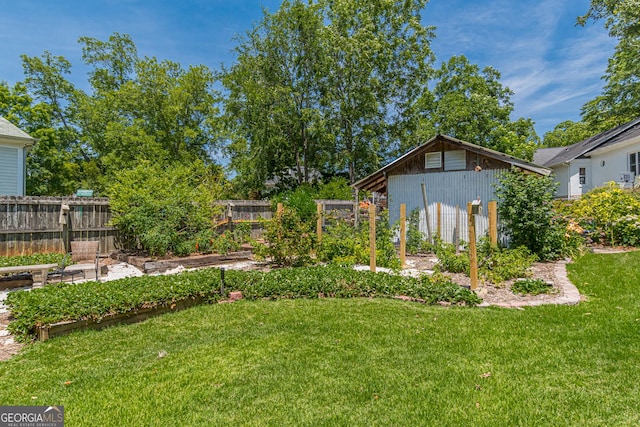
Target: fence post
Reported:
point(372, 237)
point(319, 221)
point(279, 209)
point(403, 233)
point(426, 212)
point(493, 222)
point(473, 255)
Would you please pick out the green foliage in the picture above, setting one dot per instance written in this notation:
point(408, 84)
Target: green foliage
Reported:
point(301, 200)
point(51, 258)
point(497, 265)
point(473, 105)
point(337, 188)
point(567, 133)
point(608, 214)
point(526, 210)
point(165, 209)
point(449, 259)
point(531, 287)
point(416, 240)
point(289, 240)
point(95, 300)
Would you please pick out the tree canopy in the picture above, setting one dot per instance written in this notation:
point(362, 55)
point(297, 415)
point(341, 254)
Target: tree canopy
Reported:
point(318, 89)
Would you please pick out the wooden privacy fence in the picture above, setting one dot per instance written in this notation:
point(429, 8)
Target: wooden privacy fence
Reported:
point(30, 225)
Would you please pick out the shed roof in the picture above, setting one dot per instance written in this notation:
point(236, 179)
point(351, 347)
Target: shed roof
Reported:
point(608, 138)
point(377, 181)
point(9, 130)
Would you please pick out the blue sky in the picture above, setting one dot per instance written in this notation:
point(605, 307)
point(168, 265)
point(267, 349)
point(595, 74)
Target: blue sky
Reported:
point(552, 66)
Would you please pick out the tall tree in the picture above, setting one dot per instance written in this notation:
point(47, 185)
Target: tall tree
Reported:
point(51, 165)
point(620, 98)
point(273, 101)
point(380, 60)
point(567, 133)
point(474, 106)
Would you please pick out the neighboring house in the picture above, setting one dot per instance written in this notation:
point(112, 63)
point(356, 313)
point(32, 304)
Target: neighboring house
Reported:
point(454, 173)
point(14, 144)
point(613, 155)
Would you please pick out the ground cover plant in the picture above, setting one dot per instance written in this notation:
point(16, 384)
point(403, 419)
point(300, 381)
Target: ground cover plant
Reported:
point(531, 287)
point(95, 300)
point(354, 362)
point(7, 261)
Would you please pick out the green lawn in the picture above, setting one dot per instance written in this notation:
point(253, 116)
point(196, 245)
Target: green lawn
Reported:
point(354, 362)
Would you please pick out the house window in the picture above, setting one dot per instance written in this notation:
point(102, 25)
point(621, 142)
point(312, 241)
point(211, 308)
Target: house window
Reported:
point(433, 160)
point(583, 176)
point(455, 160)
point(634, 158)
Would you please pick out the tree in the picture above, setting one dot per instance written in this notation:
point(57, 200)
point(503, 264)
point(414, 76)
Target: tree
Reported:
point(567, 133)
point(137, 109)
point(273, 101)
point(620, 98)
point(473, 106)
point(380, 62)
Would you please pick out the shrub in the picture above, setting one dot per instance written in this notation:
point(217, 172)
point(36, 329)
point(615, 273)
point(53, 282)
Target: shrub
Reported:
point(526, 210)
point(449, 259)
point(609, 214)
point(163, 209)
point(289, 239)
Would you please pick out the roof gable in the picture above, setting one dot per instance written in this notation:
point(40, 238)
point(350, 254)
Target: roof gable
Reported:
point(377, 181)
point(10, 131)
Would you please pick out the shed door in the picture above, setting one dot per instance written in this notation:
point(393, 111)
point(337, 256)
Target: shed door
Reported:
point(9, 171)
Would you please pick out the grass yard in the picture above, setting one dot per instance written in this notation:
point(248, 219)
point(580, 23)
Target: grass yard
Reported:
point(354, 362)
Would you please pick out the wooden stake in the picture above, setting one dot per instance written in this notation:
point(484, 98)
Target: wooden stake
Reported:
point(372, 237)
point(280, 209)
point(403, 233)
point(493, 222)
point(473, 255)
point(456, 237)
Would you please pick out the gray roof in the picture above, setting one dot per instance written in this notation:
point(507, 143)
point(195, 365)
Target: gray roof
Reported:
point(7, 129)
point(607, 138)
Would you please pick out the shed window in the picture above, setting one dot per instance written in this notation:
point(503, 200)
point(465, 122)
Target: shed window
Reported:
point(455, 160)
point(433, 160)
point(634, 167)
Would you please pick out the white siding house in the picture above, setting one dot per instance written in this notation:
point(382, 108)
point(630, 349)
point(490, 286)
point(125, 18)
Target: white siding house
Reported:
point(454, 173)
point(613, 155)
point(14, 144)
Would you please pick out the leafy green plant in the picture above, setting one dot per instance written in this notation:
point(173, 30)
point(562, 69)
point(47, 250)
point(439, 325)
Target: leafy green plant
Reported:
point(416, 240)
point(609, 214)
point(531, 287)
point(289, 240)
point(160, 210)
point(95, 300)
point(50, 258)
point(525, 206)
point(449, 259)
point(496, 264)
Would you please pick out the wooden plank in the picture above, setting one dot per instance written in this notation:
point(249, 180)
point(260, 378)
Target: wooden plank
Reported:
point(193, 262)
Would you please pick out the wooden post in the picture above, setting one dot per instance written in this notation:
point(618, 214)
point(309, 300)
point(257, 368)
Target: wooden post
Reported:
point(403, 233)
point(493, 222)
point(426, 212)
point(372, 237)
point(280, 209)
point(473, 255)
point(356, 209)
point(319, 223)
point(439, 215)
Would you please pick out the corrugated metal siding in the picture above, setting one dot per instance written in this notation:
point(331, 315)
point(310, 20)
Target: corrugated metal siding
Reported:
point(9, 171)
point(451, 189)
